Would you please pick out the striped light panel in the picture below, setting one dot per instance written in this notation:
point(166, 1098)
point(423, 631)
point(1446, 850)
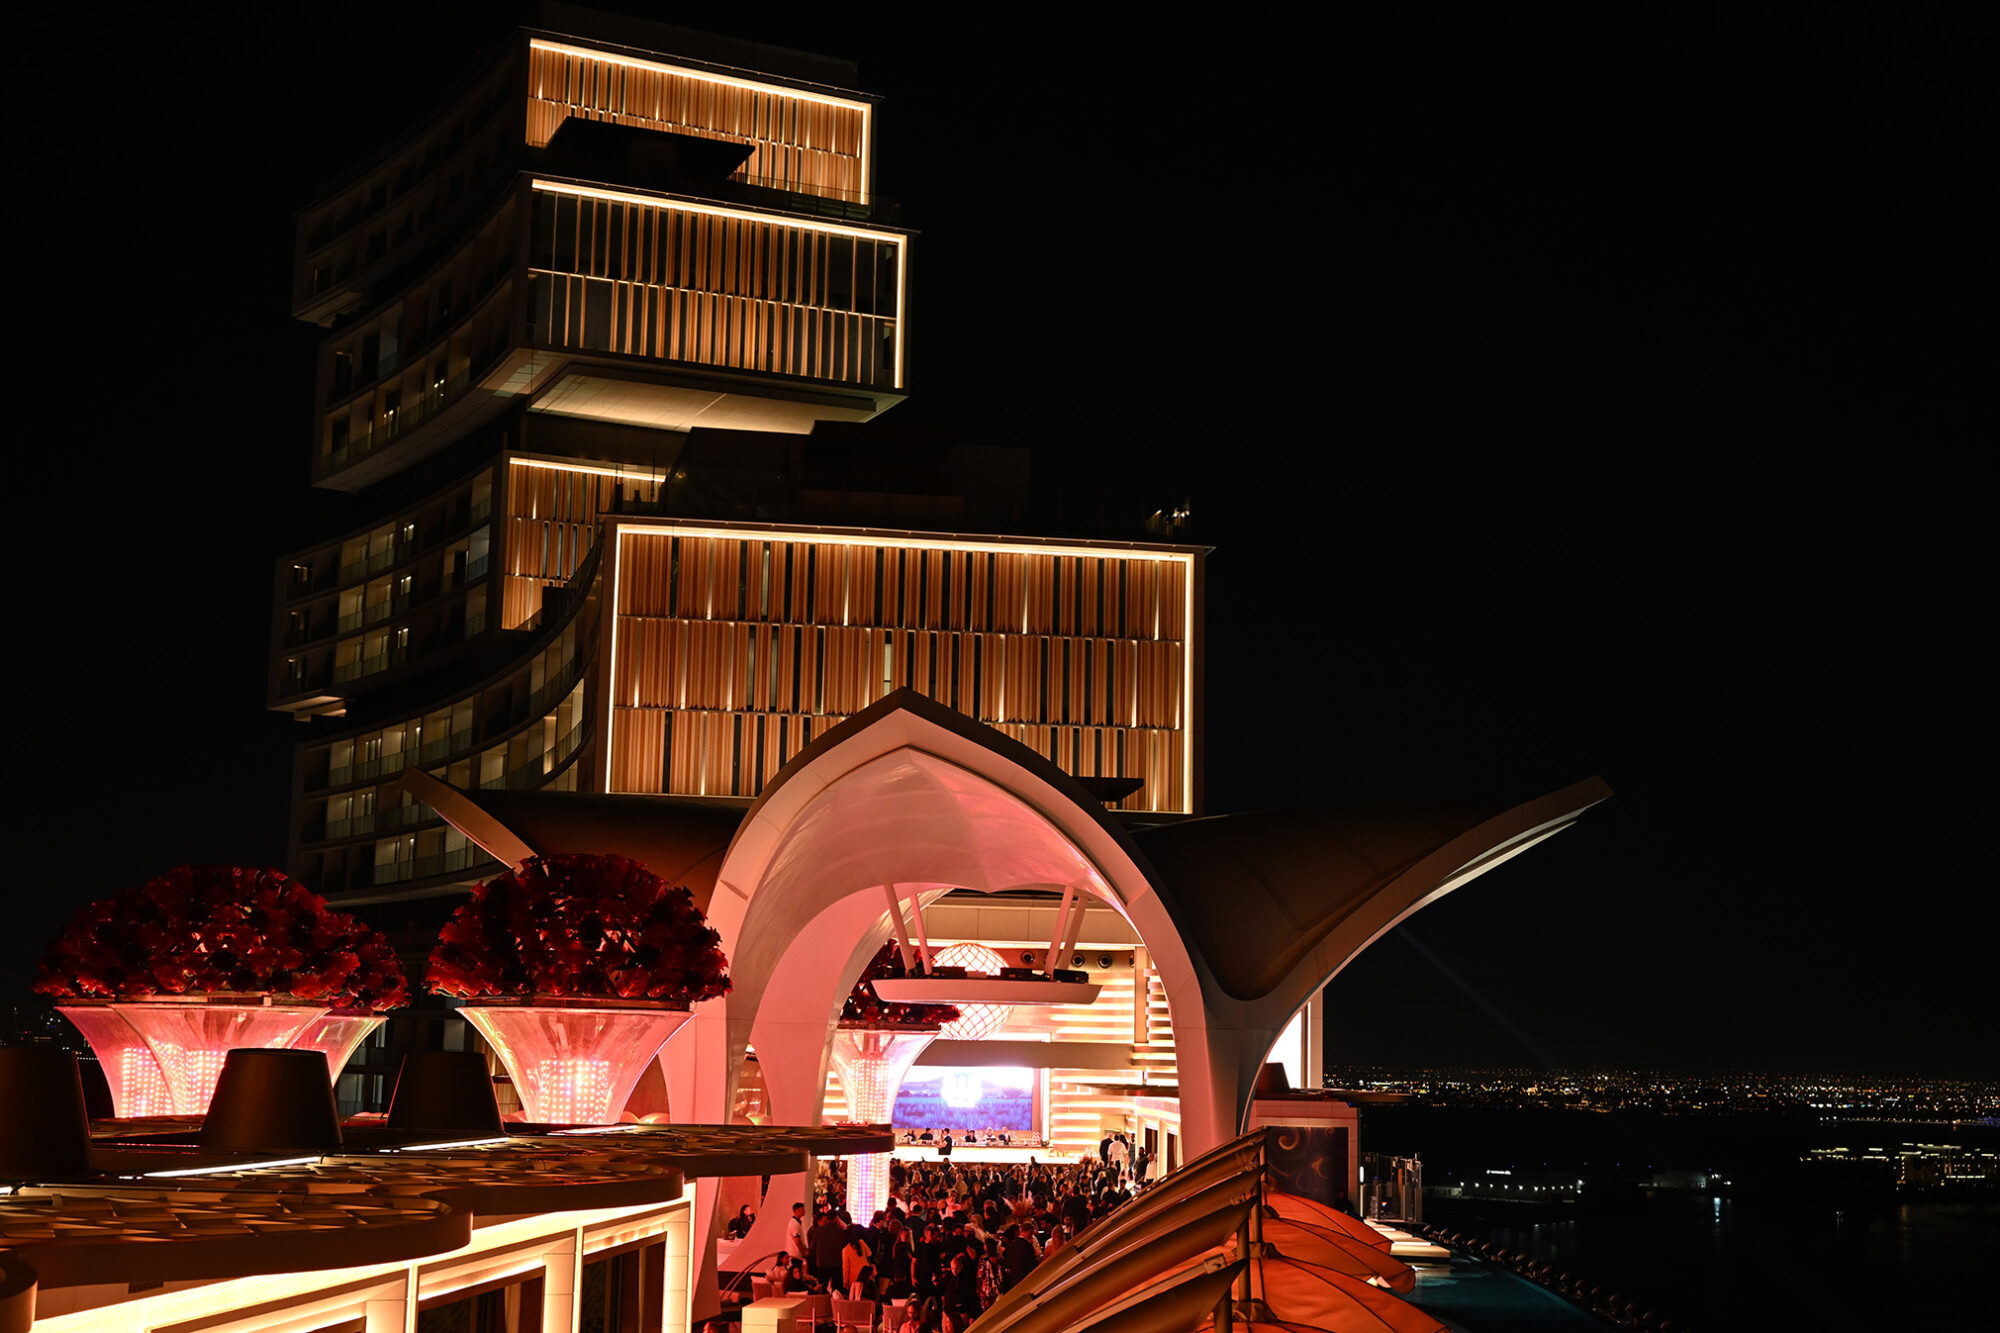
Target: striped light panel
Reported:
point(799, 141)
point(734, 653)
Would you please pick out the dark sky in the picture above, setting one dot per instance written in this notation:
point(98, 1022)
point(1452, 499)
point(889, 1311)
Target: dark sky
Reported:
point(1557, 401)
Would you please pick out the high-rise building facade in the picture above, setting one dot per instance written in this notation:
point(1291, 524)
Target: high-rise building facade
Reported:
point(599, 337)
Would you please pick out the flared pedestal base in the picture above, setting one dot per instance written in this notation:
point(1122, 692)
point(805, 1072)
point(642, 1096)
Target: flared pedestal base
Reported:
point(337, 1037)
point(137, 1085)
point(574, 1065)
point(190, 1039)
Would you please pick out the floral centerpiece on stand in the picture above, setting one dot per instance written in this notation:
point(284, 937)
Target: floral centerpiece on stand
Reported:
point(165, 979)
point(865, 1008)
point(874, 1045)
point(577, 968)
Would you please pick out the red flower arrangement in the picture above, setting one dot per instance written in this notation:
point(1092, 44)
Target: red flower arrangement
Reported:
point(200, 930)
point(580, 927)
point(865, 1008)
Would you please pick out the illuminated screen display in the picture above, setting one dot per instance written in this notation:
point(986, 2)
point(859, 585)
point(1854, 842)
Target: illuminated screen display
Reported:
point(941, 1097)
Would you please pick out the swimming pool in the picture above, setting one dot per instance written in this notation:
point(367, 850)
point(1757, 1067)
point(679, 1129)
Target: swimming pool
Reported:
point(1482, 1297)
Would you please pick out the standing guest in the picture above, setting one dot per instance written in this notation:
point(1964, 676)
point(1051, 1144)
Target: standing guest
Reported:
point(826, 1241)
point(961, 1292)
point(902, 1275)
point(795, 1233)
point(855, 1255)
point(1017, 1257)
point(989, 1275)
point(928, 1261)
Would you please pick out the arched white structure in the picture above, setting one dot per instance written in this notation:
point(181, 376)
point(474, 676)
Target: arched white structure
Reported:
point(1243, 916)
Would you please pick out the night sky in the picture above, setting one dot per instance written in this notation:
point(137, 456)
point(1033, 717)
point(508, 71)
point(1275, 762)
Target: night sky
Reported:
point(1557, 401)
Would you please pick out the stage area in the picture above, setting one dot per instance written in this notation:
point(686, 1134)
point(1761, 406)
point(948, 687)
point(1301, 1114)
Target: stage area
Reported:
point(1012, 1156)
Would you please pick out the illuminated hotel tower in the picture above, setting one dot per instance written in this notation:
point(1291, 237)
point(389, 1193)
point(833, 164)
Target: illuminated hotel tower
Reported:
point(598, 339)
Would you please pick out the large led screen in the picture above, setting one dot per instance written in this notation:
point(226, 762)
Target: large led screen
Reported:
point(941, 1097)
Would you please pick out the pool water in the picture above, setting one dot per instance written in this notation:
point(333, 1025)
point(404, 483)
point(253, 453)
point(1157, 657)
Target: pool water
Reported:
point(1480, 1297)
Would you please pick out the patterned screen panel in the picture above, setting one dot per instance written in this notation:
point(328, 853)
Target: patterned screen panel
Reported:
point(734, 653)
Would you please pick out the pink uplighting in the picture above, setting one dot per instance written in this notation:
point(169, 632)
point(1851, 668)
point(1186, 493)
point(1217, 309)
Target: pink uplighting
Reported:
point(191, 1040)
point(574, 1066)
point(870, 1063)
point(137, 1085)
point(336, 1036)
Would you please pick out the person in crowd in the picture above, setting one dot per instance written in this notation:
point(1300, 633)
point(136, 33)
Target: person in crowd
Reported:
point(960, 1291)
point(795, 1233)
point(739, 1225)
point(928, 1261)
point(1017, 1257)
point(989, 1274)
point(901, 1271)
point(855, 1255)
point(824, 1242)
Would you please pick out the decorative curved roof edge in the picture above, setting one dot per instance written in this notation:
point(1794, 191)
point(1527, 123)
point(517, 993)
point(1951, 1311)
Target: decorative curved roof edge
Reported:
point(785, 789)
point(1285, 973)
point(464, 813)
point(908, 700)
point(1451, 866)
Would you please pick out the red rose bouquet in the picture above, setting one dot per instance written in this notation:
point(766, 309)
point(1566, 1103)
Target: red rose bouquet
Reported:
point(864, 1006)
point(580, 927)
point(200, 930)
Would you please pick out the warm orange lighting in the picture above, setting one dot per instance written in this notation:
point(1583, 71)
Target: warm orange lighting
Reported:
point(922, 542)
point(864, 109)
point(716, 210)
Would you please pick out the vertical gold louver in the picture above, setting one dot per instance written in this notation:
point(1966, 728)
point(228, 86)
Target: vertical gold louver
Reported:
point(796, 143)
point(734, 678)
point(704, 301)
point(551, 521)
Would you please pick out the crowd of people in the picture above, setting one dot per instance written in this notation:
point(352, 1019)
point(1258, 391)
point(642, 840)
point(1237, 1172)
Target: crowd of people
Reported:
point(953, 1238)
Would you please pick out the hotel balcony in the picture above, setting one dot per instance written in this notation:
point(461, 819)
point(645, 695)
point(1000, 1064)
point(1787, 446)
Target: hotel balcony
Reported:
point(665, 311)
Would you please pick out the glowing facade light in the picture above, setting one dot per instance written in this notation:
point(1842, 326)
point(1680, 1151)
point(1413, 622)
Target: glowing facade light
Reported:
point(191, 1040)
point(870, 1063)
point(137, 1085)
point(575, 1065)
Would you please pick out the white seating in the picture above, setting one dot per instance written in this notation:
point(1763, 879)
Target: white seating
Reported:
point(853, 1316)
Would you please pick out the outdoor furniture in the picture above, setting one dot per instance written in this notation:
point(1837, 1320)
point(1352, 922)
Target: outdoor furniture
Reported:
point(821, 1306)
point(853, 1316)
point(760, 1289)
point(778, 1314)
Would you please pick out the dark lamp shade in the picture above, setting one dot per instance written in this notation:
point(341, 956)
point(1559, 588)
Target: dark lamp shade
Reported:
point(445, 1092)
point(272, 1101)
point(44, 1132)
